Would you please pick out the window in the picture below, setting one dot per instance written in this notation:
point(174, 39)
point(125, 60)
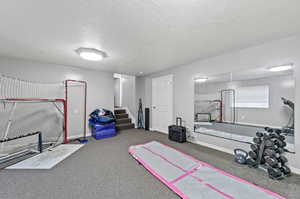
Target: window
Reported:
point(252, 97)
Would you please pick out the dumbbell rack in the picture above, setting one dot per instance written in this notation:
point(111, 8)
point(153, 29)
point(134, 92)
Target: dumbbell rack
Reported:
point(276, 170)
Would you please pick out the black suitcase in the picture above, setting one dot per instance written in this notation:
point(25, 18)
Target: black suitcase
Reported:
point(177, 132)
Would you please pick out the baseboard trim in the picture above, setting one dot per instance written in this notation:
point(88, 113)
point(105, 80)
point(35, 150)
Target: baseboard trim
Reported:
point(222, 149)
point(295, 170)
point(159, 131)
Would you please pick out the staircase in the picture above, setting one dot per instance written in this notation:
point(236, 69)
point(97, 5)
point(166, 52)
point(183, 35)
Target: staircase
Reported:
point(123, 121)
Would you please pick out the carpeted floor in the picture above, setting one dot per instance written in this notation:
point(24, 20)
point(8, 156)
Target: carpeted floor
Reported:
point(104, 169)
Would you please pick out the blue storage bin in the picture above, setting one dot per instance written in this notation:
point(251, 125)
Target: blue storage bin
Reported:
point(104, 134)
point(100, 131)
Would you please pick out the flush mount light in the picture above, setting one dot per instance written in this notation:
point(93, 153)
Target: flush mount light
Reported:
point(281, 68)
point(201, 79)
point(91, 54)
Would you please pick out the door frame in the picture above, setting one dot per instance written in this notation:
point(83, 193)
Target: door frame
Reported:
point(172, 103)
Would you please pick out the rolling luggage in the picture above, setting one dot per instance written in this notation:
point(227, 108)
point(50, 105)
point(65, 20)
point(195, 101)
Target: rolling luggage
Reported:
point(177, 132)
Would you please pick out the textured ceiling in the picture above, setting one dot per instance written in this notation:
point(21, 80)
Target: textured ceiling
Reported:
point(140, 35)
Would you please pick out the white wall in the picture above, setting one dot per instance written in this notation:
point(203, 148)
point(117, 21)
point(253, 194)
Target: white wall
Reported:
point(117, 92)
point(100, 84)
point(268, 54)
point(129, 94)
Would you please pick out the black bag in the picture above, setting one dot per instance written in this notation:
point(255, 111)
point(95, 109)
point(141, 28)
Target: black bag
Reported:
point(177, 132)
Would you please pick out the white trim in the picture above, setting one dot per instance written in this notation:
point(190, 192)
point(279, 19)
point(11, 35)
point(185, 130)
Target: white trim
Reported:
point(74, 137)
point(295, 170)
point(222, 149)
point(159, 131)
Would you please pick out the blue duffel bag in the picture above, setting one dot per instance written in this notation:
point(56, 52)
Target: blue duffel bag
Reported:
point(101, 116)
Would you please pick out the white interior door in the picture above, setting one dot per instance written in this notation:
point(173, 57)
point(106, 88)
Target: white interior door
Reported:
point(162, 103)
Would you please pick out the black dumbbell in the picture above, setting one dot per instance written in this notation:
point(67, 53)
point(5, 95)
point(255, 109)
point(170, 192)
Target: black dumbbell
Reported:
point(270, 130)
point(283, 159)
point(253, 155)
point(285, 170)
point(272, 152)
point(269, 143)
point(278, 131)
point(251, 163)
point(279, 143)
point(272, 162)
point(259, 134)
point(282, 137)
point(254, 147)
point(257, 140)
point(275, 173)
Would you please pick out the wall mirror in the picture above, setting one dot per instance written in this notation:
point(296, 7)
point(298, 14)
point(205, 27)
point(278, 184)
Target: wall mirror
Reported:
point(236, 105)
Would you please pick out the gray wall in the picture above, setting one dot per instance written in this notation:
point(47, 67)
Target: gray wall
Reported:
point(268, 54)
point(277, 115)
point(100, 84)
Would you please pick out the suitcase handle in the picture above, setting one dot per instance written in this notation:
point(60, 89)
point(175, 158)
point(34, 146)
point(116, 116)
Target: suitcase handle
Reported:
point(180, 121)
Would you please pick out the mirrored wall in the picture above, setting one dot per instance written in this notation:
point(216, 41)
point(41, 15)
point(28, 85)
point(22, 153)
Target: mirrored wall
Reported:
point(236, 105)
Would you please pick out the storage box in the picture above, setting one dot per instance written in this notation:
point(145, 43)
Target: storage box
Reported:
point(103, 131)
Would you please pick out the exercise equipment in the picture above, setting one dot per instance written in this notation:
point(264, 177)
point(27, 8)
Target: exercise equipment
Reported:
point(31, 106)
point(275, 173)
point(259, 134)
point(254, 147)
point(267, 153)
point(286, 170)
point(36, 148)
point(19, 116)
point(140, 116)
point(257, 140)
point(240, 156)
point(253, 155)
point(191, 178)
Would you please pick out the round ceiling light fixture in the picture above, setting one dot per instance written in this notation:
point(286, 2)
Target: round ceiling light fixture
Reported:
point(281, 68)
point(91, 54)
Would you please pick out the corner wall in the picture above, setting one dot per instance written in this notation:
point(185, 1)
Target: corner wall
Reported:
point(100, 84)
point(268, 54)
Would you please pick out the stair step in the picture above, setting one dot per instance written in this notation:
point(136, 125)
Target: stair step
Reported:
point(123, 121)
point(121, 116)
point(120, 111)
point(124, 126)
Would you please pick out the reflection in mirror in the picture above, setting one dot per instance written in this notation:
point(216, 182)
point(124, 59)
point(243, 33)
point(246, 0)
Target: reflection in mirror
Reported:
point(237, 105)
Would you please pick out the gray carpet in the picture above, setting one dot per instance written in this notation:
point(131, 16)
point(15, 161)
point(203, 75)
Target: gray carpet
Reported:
point(104, 169)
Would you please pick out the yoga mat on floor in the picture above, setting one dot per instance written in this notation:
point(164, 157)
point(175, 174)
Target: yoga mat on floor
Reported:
point(194, 179)
point(48, 159)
